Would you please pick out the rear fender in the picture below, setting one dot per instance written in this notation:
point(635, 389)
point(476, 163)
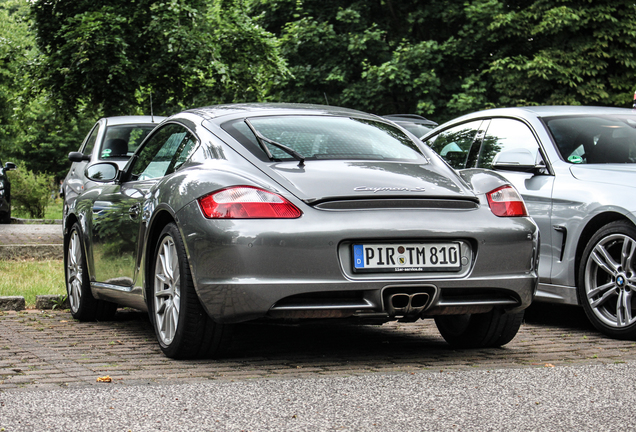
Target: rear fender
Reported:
point(481, 180)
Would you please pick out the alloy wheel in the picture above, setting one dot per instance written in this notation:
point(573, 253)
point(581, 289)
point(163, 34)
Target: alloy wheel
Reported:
point(74, 271)
point(610, 281)
point(167, 290)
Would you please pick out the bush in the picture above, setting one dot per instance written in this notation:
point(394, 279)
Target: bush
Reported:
point(30, 192)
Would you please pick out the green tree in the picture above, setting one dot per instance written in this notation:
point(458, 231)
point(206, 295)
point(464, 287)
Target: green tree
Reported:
point(31, 129)
point(381, 56)
point(15, 55)
point(565, 52)
point(110, 55)
point(445, 58)
point(46, 136)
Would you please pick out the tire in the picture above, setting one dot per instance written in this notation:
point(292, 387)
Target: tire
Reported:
point(489, 330)
point(607, 280)
point(84, 306)
point(183, 328)
point(6, 218)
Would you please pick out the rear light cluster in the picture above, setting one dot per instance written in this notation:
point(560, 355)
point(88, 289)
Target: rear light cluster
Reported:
point(247, 202)
point(505, 201)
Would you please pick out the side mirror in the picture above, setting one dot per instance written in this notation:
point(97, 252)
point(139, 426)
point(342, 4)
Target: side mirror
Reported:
point(10, 166)
point(78, 157)
point(515, 160)
point(102, 172)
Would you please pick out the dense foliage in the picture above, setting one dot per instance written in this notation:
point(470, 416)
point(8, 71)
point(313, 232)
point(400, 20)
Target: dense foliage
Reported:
point(445, 58)
point(112, 55)
point(64, 63)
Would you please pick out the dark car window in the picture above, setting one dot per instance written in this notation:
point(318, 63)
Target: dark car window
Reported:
point(90, 141)
point(594, 139)
point(506, 134)
point(454, 144)
point(121, 141)
point(416, 129)
point(164, 152)
point(321, 137)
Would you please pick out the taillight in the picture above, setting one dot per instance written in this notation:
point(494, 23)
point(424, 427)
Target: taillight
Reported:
point(247, 202)
point(505, 202)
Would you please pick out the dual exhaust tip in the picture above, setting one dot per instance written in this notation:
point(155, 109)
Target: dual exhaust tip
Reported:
point(407, 304)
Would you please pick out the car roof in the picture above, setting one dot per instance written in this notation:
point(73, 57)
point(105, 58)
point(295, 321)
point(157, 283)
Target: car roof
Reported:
point(229, 111)
point(136, 119)
point(549, 111)
point(411, 118)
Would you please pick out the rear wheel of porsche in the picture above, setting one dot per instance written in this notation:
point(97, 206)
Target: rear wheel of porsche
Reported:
point(84, 306)
point(607, 280)
point(488, 330)
point(183, 328)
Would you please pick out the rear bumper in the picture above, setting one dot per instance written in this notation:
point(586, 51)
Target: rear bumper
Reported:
point(249, 269)
point(243, 301)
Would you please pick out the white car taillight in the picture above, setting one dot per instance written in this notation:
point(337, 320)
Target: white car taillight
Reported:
point(505, 201)
point(247, 202)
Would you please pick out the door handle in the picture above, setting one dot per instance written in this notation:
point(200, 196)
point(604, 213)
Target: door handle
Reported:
point(133, 211)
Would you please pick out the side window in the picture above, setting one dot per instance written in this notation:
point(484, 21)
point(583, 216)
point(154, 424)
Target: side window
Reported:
point(454, 144)
point(90, 141)
point(505, 135)
point(164, 153)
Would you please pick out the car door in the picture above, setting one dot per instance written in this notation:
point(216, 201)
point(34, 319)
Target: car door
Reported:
point(514, 137)
point(121, 212)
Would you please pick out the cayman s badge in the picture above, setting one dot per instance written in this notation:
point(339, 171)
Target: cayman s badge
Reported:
point(387, 189)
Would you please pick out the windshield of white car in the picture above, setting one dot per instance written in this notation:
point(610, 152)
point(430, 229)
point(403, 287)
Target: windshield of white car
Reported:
point(325, 137)
point(594, 139)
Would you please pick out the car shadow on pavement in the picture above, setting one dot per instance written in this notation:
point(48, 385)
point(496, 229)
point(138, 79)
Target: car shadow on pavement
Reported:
point(349, 344)
point(557, 315)
point(278, 339)
point(331, 339)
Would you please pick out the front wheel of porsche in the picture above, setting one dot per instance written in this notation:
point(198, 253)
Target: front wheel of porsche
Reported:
point(607, 280)
point(486, 330)
point(183, 328)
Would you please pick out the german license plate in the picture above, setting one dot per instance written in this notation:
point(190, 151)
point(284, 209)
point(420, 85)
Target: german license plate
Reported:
point(406, 257)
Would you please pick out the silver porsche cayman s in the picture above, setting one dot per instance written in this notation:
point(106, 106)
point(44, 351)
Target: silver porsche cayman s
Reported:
point(291, 212)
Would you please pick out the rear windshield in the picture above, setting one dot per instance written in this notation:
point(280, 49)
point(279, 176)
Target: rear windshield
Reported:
point(594, 139)
point(322, 137)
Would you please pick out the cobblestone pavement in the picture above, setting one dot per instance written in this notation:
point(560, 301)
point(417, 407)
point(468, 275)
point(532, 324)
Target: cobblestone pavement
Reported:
point(44, 350)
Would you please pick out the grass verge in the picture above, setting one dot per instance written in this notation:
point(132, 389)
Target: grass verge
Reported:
point(30, 278)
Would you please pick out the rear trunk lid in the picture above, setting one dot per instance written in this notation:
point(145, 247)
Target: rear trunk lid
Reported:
point(320, 181)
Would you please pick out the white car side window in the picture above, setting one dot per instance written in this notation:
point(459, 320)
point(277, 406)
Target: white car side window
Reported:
point(505, 135)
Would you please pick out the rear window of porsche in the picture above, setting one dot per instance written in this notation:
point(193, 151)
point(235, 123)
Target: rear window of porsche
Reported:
point(323, 137)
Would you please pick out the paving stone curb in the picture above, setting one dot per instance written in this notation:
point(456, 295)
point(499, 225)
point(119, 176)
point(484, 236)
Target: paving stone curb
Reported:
point(12, 303)
point(42, 302)
point(51, 301)
point(36, 221)
point(31, 251)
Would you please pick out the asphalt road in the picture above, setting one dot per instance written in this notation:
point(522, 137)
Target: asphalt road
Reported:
point(580, 398)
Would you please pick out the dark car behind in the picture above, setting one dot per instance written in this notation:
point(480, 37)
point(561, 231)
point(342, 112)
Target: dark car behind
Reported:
point(5, 192)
